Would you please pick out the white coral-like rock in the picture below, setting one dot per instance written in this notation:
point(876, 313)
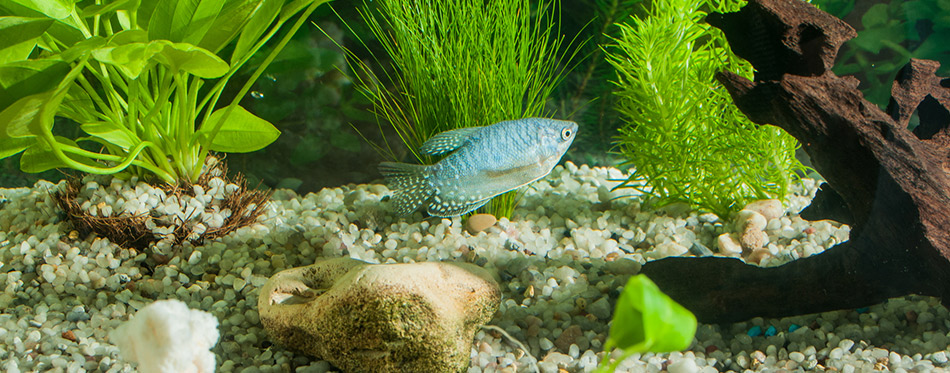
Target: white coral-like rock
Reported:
point(166, 336)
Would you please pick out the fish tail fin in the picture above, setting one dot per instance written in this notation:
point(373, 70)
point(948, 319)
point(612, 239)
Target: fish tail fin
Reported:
point(410, 184)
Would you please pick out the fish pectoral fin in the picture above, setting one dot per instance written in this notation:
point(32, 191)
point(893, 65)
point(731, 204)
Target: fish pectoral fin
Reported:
point(446, 209)
point(447, 141)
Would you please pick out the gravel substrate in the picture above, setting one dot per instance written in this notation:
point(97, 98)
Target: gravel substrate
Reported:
point(561, 258)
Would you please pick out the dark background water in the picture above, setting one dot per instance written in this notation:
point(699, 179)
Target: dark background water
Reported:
point(307, 94)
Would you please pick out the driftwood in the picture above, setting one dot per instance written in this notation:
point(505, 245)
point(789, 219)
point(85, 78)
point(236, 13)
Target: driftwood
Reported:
point(889, 183)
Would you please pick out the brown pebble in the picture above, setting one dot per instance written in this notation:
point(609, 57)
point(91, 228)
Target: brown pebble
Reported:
point(612, 256)
point(911, 316)
point(809, 230)
point(711, 348)
point(479, 222)
point(70, 336)
point(567, 338)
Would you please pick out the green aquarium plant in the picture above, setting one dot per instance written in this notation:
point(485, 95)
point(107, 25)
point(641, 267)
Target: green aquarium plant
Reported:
point(460, 63)
point(646, 320)
point(889, 35)
point(141, 78)
point(686, 139)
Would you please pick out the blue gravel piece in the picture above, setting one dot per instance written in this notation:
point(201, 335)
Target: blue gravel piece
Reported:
point(793, 327)
point(755, 331)
point(770, 331)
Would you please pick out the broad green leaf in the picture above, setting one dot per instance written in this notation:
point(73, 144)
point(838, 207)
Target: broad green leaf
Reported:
point(263, 16)
point(18, 119)
point(129, 36)
point(345, 140)
point(99, 9)
point(646, 320)
point(143, 14)
point(183, 20)
point(169, 16)
point(294, 7)
point(130, 58)
point(194, 60)
point(113, 133)
point(12, 146)
point(16, 30)
point(25, 78)
point(876, 15)
point(202, 20)
point(82, 48)
point(40, 157)
point(56, 9)
point(241, 132)
point(229, 24)
point(18, 52)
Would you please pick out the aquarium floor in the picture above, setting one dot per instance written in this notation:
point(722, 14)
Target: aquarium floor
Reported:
point(561, 259)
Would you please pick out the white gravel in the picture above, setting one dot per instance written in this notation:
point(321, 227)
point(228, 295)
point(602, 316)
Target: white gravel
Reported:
point(561, 258)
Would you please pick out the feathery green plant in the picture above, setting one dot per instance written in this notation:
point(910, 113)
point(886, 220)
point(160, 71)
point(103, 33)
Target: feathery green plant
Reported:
point(460, 63)
point(685, 137)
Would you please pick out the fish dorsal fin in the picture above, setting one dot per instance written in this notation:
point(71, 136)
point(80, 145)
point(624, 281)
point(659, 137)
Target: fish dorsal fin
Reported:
point(447, 141)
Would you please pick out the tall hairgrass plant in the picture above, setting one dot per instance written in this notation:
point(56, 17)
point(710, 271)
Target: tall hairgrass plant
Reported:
point(141, 78)
point(683, 134)
point(460, 63)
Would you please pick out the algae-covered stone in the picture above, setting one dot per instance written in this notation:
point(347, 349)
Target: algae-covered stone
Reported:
point(418, 317)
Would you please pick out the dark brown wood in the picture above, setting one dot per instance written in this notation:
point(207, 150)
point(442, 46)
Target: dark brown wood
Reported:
point(890, 183)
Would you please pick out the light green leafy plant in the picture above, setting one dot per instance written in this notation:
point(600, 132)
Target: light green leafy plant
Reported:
point(687, 140)
point(460, 63)
point(142, 78)
point(646, 320)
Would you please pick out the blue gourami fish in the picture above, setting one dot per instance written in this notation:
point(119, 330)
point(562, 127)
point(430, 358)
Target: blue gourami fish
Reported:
point(485, 162)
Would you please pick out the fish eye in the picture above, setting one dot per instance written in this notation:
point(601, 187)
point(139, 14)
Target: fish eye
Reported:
point(566, 133)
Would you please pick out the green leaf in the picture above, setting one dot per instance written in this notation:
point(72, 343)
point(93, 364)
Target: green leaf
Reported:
point(18, 119)
point(294, 7)
point(16, 30)
point(113, 133)
point(82, 48)
point(875, 15)
point(24, 78)
point(645, 320)
point(12, 146)
point(345, 140)
point(130, 58)
point(263, 16)
point(56, 9)
point(18, 52)
point(202, 20)
point(241, 132)
point(40, 157)
point(183, 20)
point(100, 9)
point(194, 60)
point(229, 24)
point(31, 115)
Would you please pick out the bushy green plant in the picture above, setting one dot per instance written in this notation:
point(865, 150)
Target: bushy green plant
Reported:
point(889, 35)
point(686, 139)
point(141, 78)
point(460, 63)
point(647, 320)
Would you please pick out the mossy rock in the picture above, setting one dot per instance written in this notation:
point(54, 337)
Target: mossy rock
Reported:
point(362, 317)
